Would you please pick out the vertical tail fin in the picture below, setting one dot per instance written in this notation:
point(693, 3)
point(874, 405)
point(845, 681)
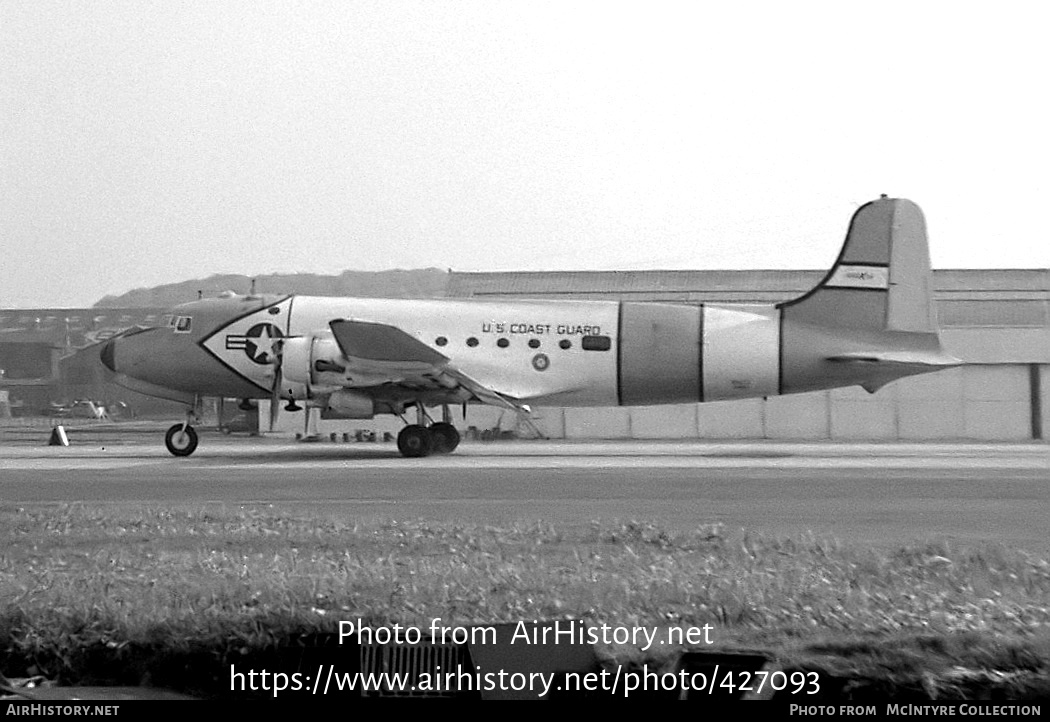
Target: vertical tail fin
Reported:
point(871, 320)
point(881, 280)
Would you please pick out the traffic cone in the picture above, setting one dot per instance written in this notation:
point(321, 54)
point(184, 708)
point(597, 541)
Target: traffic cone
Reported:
point(58, 437)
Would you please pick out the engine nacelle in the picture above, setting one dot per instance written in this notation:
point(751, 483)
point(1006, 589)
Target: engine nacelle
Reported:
point(314, 361)
point(343, 404)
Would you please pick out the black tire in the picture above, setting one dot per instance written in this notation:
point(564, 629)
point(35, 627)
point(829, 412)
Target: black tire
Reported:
point(445, 436)
point(180, 444)
point(415, 441)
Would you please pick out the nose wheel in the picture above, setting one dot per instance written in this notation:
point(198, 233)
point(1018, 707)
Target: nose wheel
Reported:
point(181, 440)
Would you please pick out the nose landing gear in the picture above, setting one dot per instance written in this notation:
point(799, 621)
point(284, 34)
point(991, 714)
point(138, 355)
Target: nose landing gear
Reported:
point(181, 440)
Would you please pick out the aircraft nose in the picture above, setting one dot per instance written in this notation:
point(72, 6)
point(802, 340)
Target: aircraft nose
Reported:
point(159, 362)
point(108, 355)
point(134, 353)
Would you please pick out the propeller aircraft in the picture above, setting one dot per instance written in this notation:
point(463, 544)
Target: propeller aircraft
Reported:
point(870, 321)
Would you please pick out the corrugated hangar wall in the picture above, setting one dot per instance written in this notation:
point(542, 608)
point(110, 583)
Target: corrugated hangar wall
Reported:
point(997, 321)
point(976, 402)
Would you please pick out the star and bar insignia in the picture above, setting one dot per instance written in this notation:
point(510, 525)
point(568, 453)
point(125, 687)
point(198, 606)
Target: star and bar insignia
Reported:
point(259, 343)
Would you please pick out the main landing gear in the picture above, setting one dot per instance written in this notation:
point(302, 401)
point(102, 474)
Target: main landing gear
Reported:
point(417, 440)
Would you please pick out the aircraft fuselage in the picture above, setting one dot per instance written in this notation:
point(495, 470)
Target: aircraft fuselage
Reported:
point(575, 353)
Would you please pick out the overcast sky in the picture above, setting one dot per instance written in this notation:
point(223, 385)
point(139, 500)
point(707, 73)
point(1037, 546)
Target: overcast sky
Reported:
point(150, 142)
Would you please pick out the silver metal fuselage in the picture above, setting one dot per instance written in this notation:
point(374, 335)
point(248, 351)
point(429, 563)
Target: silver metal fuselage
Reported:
point(564, 353)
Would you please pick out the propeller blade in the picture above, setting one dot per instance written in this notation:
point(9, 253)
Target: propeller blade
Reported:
point(275, 395)
point(275, 399)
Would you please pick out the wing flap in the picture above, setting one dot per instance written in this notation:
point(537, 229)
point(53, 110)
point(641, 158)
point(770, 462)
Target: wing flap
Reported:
point(483, 393)
point(387, 353)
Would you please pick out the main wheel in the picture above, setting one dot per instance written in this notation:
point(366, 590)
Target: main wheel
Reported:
point(445, 437)
point(181, 443)
point(414, 441)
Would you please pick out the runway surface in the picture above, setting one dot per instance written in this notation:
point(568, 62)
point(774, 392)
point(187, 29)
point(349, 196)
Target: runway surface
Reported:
point(881, 494)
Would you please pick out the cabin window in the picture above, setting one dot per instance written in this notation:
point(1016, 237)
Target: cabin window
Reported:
point(503, 343)
point(565, 344)
point(472, 342)
point(534, 343)
point(441, 341)
point(596, 343)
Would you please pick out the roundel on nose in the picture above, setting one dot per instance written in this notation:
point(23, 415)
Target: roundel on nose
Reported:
point(259, 343)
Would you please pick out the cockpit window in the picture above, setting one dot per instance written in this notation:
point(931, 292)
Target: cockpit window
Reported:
point(181, 324)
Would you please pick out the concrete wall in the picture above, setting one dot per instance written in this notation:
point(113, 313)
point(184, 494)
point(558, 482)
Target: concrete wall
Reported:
point(997, 402)
point(741, 419)
point(989, 402)
point(597, 423)
point(798, 416)
point(858, 415)
point(931, 407)
point(1044, 384)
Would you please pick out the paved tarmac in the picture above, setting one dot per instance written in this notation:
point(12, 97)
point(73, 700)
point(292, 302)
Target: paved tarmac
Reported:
point(871, 494)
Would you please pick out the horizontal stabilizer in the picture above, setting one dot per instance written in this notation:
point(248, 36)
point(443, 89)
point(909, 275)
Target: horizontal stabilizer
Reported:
point(906, 358)
point(886, 366)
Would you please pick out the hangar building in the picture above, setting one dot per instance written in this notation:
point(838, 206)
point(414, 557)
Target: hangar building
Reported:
point(996, 320)
point(47, 359)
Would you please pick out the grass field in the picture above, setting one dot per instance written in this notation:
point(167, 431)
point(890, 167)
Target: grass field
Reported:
point(152, 596)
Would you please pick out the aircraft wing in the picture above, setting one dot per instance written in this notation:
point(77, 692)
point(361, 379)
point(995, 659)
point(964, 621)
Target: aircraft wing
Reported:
point(386, 354)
